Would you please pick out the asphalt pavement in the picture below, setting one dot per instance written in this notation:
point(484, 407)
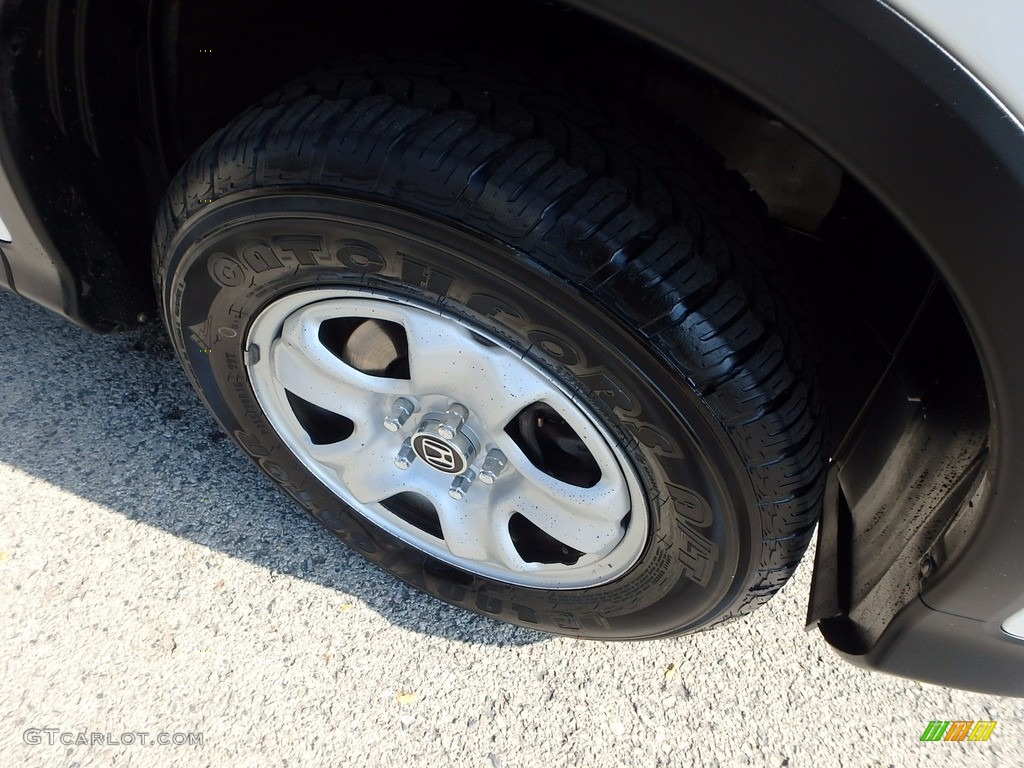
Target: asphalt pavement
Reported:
point(155, 588)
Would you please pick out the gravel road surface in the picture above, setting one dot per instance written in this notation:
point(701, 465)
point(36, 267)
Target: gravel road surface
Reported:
point(151, 581)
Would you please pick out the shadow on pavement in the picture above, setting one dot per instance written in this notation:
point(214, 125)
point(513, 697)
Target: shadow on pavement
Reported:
point(113, 419)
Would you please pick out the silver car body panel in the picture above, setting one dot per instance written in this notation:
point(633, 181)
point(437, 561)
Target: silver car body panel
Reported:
point(983, 36)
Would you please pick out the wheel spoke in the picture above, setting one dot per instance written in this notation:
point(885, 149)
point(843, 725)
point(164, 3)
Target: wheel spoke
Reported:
point(587, 519)
point(492, 381)
point(362, 446)
point(365, 463)
point(473, 531)
point(375, 483)
point(305, 367)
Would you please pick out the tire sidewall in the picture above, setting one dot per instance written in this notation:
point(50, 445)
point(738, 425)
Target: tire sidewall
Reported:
point(234, 258)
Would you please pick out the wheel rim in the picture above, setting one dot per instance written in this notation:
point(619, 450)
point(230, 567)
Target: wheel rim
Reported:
point(448, 438)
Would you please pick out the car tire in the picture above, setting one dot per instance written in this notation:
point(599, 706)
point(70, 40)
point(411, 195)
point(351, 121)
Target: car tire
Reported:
point(526, 355)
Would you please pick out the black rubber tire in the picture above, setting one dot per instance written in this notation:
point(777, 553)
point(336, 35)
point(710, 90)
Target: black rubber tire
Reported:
point(649, 262)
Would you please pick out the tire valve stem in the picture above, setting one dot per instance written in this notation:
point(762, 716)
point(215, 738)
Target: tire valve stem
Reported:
point(494, 465)
point(460, 485)
point(399, 414)
point(928, 567)
point(454, 418)
point(406, 456)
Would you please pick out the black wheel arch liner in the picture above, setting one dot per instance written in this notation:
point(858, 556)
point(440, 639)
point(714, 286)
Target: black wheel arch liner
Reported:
point(73, 89)
point(932, 144)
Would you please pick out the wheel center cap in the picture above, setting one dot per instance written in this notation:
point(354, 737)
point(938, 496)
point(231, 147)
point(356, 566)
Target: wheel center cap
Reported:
point(439, 454)
point(451, 456)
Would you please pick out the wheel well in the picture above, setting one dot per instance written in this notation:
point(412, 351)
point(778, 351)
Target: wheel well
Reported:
point(202, 63)
point(221, 57)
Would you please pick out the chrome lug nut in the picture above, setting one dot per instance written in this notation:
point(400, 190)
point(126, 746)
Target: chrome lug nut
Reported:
point(399, 414)
point(406, 456)
point(454, 418)
point(460, 485)
point(494, 464)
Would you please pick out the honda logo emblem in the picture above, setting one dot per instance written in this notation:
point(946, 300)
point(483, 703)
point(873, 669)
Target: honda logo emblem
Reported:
point(439, 454)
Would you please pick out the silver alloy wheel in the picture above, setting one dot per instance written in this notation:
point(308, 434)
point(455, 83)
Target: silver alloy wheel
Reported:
point(447, 438)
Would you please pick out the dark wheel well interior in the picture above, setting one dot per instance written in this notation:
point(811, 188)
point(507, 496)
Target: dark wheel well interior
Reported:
point(135, 88)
